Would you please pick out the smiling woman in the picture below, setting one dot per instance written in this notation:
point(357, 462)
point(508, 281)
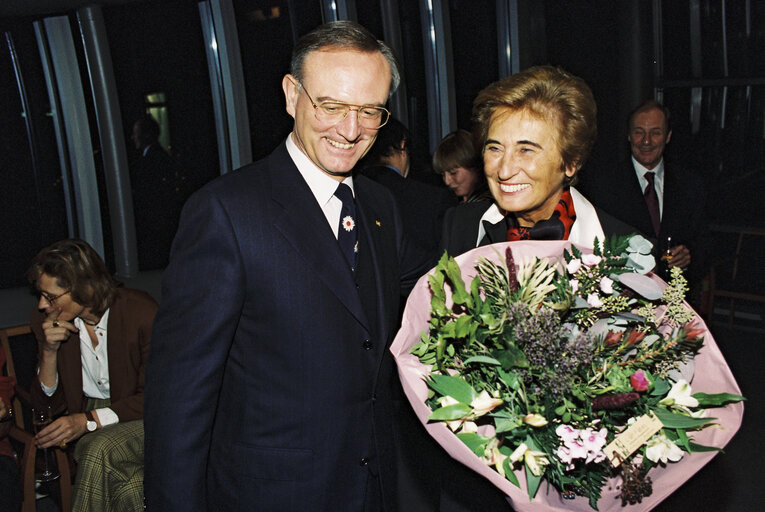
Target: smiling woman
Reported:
point(535, 130)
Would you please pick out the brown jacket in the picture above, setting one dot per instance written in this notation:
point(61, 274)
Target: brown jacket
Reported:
point(129, 334)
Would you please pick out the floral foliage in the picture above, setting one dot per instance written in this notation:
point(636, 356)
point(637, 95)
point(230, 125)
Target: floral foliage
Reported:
point(540, 364)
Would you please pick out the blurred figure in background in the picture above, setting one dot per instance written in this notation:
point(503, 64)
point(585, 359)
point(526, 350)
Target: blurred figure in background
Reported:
point(422, 206)
point(159, 191)
point(457, 161)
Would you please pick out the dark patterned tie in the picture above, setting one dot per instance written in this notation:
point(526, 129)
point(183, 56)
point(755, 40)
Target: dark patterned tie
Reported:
point(347, 234)
point(652, 201)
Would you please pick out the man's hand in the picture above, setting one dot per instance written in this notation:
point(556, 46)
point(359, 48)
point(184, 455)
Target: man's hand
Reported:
point(681, 257)
point(64, 430)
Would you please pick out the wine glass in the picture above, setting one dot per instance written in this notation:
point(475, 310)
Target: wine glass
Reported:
point(41, 417)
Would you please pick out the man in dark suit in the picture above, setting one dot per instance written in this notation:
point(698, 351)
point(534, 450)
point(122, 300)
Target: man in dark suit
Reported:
point(422, 206)
point(672, 207)
point(270, 385)
point(159, 190)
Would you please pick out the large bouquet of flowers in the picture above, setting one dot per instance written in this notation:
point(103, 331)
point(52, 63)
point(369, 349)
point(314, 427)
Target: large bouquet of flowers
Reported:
point(570, 378)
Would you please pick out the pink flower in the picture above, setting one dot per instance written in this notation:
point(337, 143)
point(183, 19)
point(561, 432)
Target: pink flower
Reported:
point(574, 283)
point(590, 259)
point(639, 381)
point(573, 265)
point(606, 285)
point(594, 301)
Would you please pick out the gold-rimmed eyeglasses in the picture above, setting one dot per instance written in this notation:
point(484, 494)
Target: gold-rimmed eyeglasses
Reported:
point(370, 116)
point(51, 298)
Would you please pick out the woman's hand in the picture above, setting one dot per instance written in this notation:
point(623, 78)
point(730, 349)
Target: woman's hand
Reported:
point(5, 425)
point(63, 430)
point(55, 332)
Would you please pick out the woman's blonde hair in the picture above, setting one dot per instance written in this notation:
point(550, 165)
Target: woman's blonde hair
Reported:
point(548, 93)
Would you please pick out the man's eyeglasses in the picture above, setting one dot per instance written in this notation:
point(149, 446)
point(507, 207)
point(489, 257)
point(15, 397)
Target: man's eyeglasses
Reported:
point(51, 298)
point(370, 116)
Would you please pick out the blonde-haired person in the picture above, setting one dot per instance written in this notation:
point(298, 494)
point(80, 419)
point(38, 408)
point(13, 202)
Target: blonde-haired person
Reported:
point(456, 160)
point(535, 130)
point(93, 341)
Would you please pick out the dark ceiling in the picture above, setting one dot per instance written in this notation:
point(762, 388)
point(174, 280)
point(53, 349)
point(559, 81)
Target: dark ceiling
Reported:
point(14, 8)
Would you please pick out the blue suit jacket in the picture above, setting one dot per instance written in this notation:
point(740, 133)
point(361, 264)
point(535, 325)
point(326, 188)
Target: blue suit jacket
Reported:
point(270, 384)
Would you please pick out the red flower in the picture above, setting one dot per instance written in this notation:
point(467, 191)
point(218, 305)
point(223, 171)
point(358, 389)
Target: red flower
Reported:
point(639, 381)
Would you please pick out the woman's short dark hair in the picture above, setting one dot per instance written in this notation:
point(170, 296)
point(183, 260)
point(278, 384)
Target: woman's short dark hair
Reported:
point(548, 93)
point(342, 35)
point(77, 268)
point(456, 150)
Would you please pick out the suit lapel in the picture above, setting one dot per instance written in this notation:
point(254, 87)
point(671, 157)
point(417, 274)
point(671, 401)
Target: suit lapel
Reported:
point(302, 222)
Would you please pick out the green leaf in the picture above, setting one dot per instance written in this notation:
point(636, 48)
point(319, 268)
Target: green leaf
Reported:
point(532, 481)
point(455, 387)
point(482, 359)
point(660, 387)
point(510, 378)
point(702, 448)
point(510, 474)
point(462, 328)
point(682, 438)
point(475, 442)
point(717, 399)
point(511, 357)
point(673, 420)
point(450, 412)
point(507, 424)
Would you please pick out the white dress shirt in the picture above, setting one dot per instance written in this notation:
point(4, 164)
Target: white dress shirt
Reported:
point(321, 184)
point(658, 180)
point(95, 368)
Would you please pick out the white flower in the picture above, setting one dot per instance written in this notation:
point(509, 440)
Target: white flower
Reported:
point(594, 301)
point(590, 259)
point(680, 396)
point(574, 283)
point(659, 447)
point(606, 285)
point(535, 420)
point(573, 265)
point(348, 223)
point(534, 460)
point(469, 427)
point(484, 403)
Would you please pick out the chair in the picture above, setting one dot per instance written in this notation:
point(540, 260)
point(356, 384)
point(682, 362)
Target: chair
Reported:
point(20, 434)
point(725, 279)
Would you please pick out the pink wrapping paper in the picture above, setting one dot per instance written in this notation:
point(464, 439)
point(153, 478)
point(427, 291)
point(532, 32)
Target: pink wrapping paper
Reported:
point(712, 375)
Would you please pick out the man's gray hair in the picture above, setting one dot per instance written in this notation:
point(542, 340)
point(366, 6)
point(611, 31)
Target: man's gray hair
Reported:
point(342, 35)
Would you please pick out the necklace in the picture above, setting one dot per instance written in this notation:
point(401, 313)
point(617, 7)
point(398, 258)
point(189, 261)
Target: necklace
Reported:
point(92, 324)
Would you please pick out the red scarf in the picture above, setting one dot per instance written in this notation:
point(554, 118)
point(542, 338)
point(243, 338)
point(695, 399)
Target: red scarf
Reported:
point(557, 227)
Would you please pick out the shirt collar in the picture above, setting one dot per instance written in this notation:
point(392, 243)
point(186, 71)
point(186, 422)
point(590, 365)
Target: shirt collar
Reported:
point(100, 326)
point(658, 170)
point(321, 184)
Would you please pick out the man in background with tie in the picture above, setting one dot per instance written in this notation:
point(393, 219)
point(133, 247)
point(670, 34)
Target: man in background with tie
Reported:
point(270, 385)
point(663, 200)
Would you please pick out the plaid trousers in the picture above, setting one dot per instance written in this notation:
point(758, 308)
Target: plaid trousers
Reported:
point(110, 469)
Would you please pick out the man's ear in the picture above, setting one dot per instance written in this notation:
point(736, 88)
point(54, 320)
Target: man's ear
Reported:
point(291, 93)
point(669, 136)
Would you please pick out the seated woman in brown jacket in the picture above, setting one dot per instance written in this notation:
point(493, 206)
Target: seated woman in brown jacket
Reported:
point(93, 340)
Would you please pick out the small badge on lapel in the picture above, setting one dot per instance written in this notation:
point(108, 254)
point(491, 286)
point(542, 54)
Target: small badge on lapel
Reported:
point(378, 223)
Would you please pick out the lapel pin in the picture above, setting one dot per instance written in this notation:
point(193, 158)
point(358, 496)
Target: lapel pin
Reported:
point(378, 223)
